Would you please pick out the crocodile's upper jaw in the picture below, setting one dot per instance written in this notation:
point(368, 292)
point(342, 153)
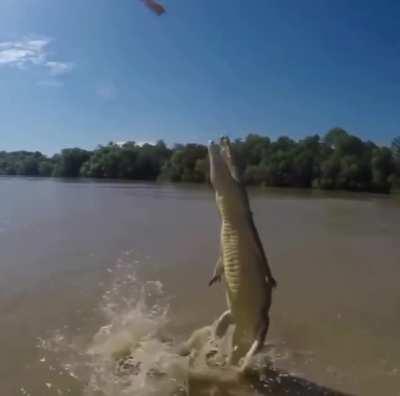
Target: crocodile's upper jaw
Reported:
point(224, 178)
point(219, 170)
point(223, 170)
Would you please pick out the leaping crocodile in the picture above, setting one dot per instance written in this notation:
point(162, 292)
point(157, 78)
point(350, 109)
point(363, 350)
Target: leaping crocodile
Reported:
point(242, 263)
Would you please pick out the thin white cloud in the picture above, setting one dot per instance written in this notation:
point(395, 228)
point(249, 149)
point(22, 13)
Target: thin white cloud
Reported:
point(32, 52)
point(107, 91)
point(51, 83)
point(140, 144)
point(24, 52)
point(59, 68)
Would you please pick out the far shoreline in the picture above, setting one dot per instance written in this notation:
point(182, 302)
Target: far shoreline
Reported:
point(311, 192)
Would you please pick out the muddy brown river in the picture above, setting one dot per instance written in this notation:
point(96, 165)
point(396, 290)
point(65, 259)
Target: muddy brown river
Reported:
point(87, 266)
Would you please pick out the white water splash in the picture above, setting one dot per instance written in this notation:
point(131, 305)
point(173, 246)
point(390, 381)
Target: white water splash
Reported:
point(130, 354)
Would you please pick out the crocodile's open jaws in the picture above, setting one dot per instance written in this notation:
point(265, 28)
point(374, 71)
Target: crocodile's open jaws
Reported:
point(242, 263)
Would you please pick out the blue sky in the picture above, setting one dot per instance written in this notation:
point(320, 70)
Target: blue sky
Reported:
point(85, 72)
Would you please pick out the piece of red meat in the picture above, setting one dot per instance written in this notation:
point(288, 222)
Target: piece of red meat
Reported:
point(154, 6)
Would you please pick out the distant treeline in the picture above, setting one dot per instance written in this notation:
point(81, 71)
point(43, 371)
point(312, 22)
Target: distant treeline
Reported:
point(339, 160)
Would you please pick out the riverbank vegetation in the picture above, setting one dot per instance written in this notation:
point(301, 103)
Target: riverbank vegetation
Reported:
point(338, 160)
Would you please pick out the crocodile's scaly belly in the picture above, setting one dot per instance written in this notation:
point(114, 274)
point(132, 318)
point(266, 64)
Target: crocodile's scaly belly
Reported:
point(246, 287)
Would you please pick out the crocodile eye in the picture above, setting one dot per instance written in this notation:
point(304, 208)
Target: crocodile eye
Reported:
point(222, 140)
point(225, 140)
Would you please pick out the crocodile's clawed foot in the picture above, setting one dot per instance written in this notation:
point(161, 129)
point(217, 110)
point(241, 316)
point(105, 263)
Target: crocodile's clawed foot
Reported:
point(244, 367)
point(183, 350)
point(210, 354)
point(214, 279)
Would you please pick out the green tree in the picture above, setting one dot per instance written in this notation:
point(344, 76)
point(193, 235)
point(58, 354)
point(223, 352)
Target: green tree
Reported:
point(256, 175)
point(307, 156)
point(330, 169)
point(28, 166)
point(396, 147)
point(184, 164)
point(70, 161)
point(46, 168)
point(338, 161)
point(128, 161)
point(395, 177)
point(334, 136)
point(382, 167)
point(279, 163)
point(251, 151)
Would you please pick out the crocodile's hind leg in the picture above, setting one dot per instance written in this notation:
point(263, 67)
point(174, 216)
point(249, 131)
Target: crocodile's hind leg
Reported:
point(241, 342)
point(222, 324)
point(258, 342)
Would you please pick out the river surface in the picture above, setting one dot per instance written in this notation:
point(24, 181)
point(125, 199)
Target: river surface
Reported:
point(75, 256)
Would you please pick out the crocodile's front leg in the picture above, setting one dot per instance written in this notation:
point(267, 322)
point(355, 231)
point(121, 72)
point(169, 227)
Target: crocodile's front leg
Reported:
point(218, 271)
